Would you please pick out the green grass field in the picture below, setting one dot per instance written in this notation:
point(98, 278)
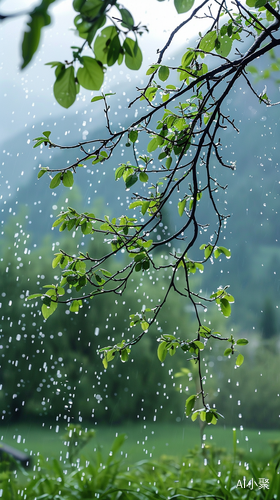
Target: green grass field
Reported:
point(143, 440)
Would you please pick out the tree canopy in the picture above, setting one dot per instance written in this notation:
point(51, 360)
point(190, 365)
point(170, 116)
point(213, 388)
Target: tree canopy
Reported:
point(173, 153)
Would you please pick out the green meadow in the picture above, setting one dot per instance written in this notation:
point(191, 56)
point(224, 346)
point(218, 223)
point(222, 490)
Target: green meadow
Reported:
point(144, 441)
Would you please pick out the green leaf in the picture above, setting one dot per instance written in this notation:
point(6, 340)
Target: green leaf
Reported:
point(143, 177)
point(133, 135)
point(168, 162)
point(222, 250)
point(181, 206)
point(195, 415)
point(64, 88)
point(75, 306)
point(130, 180)
point(97, 98)
point(204, 331)
point(41, 141)
point(214, 419)
point(56, 260)
point(68, 179)
point(42, 172)
point(225, 307)
point(139, 256)
point(202, 415)
point(105, 362)
point(251, 3)
point(199, 344)
point(224, 30)
point(71, 223)
point(152, 69)
point(209, 416)
point(53, 64)
point(144, 325)
point(80, 266)
point(124, 355)
point(31, 38)
point(207, 250)
point(46, 300)
point(172, 349)
point(63, 226)
point(225, 46)
point(242, 342)
point(91, 75)
point(34, 296)
point(239, 360)
point(114, 51)
point(128, 21)
point(162, 351)
point(48, 311)
point(163, 73)
point(260, 3)
point(133, 55)
point(56, 180)
point(207, 43)
point(228, 351)
point(150, 93)
point(102, 43)
point(186, 60)
point(106, 273)
point(183, 5)
point(190, 402)
point(153, 144)
point(165, 97)
point(145, 206)
point(135, 204)
point(119, 172)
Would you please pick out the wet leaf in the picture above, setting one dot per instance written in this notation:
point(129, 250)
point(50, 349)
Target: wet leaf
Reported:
point(208, 41)
point(228, 351)
point(199, 344)
point(48, 311)
point(68, 179)
point(242, 342)
point(133, 55)
point(190, 402)
point(64, 88)
point(130, 180)
point(143, 177)
point(163, 73)
point(162, 351)
point(144, 325)
point(133, 135)
point(181, 206)
point(90, 75)
point(56, 180)
point(183, 6)
point(239, 360)
point(225, 307)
